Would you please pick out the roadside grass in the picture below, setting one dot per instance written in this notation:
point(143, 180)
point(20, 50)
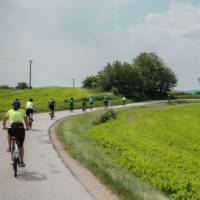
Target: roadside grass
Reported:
point(155, 145)
point(74, 134)
point(61, 96)
point(184, 95)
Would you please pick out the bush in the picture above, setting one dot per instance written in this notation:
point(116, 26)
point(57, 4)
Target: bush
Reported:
point(21, 86)
point(90, 82)
point(115, 91)
point(105, 116)
point(5, 87)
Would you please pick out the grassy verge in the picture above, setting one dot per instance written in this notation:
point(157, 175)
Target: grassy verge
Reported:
point(159, 144)
point(41, 97)
point(75, 135)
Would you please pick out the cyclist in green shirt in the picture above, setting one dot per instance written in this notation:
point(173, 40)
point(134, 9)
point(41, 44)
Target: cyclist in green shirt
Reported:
point(17, 118)
point(123, 100)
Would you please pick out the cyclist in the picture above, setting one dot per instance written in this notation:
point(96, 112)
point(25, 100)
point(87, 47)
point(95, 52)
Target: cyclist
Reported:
point(91, 102)
point(17, 118)
point(84, 104)
point(105, 101)
point(123, 100)
point(51, 105)
point(29, 108)
point(71, 104)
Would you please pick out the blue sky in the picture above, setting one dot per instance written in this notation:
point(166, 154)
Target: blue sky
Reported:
point(73, 38)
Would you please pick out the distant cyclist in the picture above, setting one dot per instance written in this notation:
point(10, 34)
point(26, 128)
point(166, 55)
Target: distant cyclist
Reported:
point(51, 105)
point(17, 118)
point(105, 101)
point(84, 104)
point(29, 108)
point(91, 102)
point(71, 104)
point(123, 100)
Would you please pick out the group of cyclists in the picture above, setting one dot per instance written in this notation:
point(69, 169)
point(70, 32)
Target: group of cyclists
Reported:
point(19, 119)
point(19, 122)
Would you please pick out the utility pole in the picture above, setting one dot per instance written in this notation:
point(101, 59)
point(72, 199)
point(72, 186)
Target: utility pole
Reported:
point(30, 73)
point(73, 82)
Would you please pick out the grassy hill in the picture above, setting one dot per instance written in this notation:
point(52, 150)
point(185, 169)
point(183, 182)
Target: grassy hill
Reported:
point(159, 144)
point(61, 96)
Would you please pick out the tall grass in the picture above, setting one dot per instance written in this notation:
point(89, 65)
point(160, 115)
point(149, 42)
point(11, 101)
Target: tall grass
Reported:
point(74, 133)
point(61, 96)
point(159, 144)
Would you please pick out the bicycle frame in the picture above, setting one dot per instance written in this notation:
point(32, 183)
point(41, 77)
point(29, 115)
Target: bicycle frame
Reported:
point(30, 120)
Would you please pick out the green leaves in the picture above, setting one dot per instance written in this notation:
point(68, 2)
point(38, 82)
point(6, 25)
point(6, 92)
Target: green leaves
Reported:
point(161, 145)
point(147, 77)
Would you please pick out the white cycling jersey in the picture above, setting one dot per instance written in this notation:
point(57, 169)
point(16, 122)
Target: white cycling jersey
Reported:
point(29, 105)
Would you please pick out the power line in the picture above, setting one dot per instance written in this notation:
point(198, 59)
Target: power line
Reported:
point(46, 69)
point(38, 65)
point(13, 59)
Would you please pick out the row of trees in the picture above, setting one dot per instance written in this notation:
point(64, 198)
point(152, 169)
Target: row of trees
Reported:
point(146, 76)
point(19, 86)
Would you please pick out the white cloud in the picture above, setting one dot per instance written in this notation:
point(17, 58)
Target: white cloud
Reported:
point(38, 4)
point(170, 34)
point(81, 36)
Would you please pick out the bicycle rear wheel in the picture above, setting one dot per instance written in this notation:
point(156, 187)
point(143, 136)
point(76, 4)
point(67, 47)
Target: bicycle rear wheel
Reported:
point(15, 168)
point(30, 122)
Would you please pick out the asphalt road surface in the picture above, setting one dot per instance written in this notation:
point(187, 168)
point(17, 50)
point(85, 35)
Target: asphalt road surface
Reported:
point(45, 176)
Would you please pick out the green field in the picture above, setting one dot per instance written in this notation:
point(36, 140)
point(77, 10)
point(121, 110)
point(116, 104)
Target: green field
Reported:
point(61, 95)
point(159, 144)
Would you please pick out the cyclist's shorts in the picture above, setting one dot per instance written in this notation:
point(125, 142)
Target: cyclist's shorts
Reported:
point(29, 111)
point(51, 107)
point(19, 134)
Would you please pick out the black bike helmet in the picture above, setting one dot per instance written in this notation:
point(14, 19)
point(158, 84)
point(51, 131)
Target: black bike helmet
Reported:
point(16, 104)
point(31, 99)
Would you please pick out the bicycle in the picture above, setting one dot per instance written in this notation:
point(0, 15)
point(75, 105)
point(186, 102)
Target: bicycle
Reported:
point(15, 155)
point(30, 120)
point(15, 149)
point(51, 113)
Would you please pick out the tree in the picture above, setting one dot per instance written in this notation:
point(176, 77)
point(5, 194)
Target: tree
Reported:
point(121, 76)
point(90, 82)
point(155, 77)
point(21, 85)
point(5, 87)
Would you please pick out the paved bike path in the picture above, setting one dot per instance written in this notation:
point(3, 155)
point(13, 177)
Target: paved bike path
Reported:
point(45, 177)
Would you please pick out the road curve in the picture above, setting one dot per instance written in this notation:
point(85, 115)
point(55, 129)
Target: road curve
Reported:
point(45, 176)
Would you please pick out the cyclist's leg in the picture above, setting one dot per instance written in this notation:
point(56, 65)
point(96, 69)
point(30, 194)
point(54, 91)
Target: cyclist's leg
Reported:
point(20, 135)
point(53, 112)
point(32, 114)
point(9, 141)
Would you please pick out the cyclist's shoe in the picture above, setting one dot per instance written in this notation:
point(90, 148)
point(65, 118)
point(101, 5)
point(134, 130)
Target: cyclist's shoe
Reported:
point(32, 119)
point(22, 164)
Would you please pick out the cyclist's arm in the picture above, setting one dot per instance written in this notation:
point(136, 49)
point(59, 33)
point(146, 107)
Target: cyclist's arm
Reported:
point(4, 122)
